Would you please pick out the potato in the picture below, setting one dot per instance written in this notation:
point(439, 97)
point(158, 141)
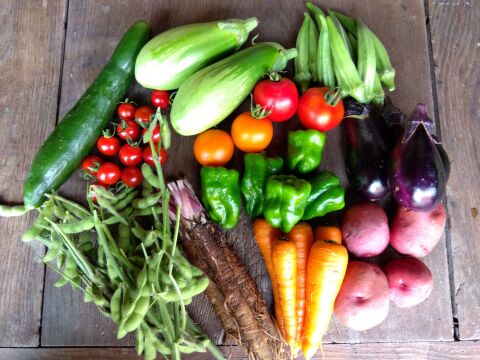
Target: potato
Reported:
point(416, 233)
point(363, 301)
point(365, 230)
point(410, 281)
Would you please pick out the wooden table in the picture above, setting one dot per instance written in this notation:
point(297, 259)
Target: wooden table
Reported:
point(51, 50)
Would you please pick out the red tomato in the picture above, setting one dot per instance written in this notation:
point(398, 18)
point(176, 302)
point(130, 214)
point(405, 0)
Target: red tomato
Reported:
point(143, 114)
point(108, 173)
point(92, 194)
point(281, 97)
point(126, 111)
point(315, 113)
point(155, 134)
point(148, 158)
point(131, 131)
point(131, 176)
point(160, 98)
point(108, 145)
point(130, 155)
point(91, 164)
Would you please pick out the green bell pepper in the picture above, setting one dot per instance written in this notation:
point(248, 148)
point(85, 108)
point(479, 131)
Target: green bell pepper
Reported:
point(326, 195)
point(257, 169)
point(285, 201)
point(221, 195)
point(305, 149)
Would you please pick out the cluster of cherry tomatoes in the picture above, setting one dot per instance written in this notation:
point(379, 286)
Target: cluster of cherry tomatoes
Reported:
point(276, 100)
point(123, 145)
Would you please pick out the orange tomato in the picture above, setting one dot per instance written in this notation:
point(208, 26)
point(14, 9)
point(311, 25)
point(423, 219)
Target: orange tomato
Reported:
point(213, 148)
point(251, 134)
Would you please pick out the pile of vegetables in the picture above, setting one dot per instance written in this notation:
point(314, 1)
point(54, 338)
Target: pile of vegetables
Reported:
point(141, 249)
point(283, 199)
point(306, 274)
point(342, 52)
point(232, 291)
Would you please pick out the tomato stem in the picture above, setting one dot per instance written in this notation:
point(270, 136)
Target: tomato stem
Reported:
point(333, 96)
point(257, 111)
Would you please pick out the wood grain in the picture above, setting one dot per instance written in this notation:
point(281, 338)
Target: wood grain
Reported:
point(93, 31)
point(30, 59)
point(464, 350)
point(455, 27)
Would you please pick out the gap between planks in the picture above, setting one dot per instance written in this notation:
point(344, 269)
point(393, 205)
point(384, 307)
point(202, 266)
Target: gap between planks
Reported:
point(448, 241)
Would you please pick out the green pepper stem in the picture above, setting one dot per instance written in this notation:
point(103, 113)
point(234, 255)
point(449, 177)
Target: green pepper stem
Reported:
point(250, 23)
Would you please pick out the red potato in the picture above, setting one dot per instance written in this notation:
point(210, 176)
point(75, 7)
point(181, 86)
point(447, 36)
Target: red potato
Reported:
point(410, 281)
point(365, 230)
point(416, 233)
point(363, 301)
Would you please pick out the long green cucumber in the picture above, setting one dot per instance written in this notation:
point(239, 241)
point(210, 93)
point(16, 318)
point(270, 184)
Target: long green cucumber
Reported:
point(211, 94)
point(77, 133)
point(167, 60)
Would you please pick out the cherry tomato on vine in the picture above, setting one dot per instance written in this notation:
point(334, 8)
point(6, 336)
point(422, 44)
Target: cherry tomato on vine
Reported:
point(160, 98)
point(108, 145)
point(126, 111)
point(108, 173)
point(143, 114)
point(91, 164)
point(148, 158)
point(315, 113)
point(155, 134)
point(92, 193)
point(130, 155)
point(251, 134)
point(131, 176)
point(213, 148)
point(131, 131)
point(280, 97)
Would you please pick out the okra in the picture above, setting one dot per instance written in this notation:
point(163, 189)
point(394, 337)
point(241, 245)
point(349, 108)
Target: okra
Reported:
point(366, 59)
point(312, 48)
point(345, 70)
point(301, 62)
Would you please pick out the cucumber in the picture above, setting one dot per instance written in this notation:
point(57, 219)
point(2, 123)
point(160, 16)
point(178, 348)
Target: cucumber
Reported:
point(77, 133)
point(207, 97)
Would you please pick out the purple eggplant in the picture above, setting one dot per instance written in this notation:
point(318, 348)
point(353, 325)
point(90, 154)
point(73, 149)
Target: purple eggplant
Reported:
point(417, 173)
point(366, 151)
point(393, 120)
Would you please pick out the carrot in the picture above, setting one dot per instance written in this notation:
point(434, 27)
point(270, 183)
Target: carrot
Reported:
point(265, 234)
point(284, 259)
point(325, 272)
point(328, 233)
point(302, 236)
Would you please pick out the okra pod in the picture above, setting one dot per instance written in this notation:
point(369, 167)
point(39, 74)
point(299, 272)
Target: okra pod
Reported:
point(302, 72)
point(342, 33)
point(345, 69)
point(366, 59)
point(312, 48)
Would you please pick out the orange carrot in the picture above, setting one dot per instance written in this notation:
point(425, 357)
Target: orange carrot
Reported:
point(325, 272)
point(302, 236)
point(332, 233)
point(284, 259)
point(265, 234)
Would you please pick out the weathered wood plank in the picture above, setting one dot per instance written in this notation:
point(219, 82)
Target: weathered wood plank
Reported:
point(463, 350)
point(91, 35)
point(30, 61)
point(455, 27)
